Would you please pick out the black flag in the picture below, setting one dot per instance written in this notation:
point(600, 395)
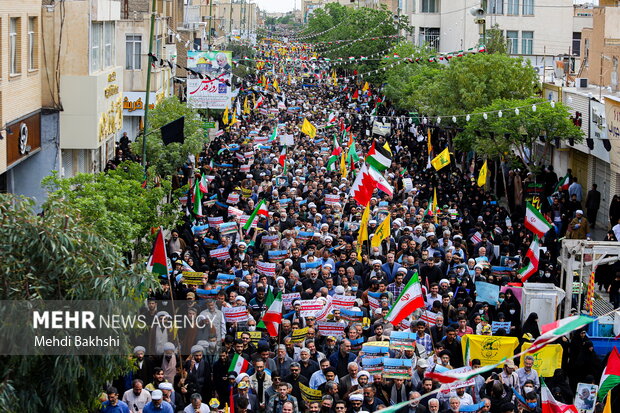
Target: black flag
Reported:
point(173, 131)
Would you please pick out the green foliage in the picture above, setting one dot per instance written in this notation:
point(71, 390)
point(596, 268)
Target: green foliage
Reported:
point(354, 23)
point(405, 82)
point(58, 256)
point(472, 81)
point(515, 135)
point(115, 205)
point(496, 43)
point(163, 159)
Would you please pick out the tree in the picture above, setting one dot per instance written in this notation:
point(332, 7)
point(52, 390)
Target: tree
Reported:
point(115, 204)
point(163, 159)
point(59, 256)
point(406, 81)
point(472, 81)
point(335, 23)
point(514, 135)
point(496, 43)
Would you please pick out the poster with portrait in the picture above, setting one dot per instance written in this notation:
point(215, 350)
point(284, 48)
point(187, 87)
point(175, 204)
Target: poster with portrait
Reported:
point(585, 398)
point(210, 86)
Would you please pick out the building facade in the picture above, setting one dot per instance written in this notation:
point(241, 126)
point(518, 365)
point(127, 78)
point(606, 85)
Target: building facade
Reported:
point(530, 27)
point(28, 132)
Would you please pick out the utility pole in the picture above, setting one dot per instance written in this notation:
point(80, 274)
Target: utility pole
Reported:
point(148, 86)
point(210, 19)
point(230, 21)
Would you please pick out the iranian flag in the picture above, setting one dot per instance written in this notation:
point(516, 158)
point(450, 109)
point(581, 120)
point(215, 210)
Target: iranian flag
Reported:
point(261, 209)
point(450, 376)
point(611, 374)
point(158, 262)
point(274, 134)
point(409, 300)
point(380, 182)
point(535, 221)
point(365, 183)
point(268, 301)
point(203, 184)
point(273, 316)
point(550, 404)
point(563, 184)
point(239, 364)
point(533, 253)
point(282, 157)
point(198, 200)
point(552, 331)
point(259, 102)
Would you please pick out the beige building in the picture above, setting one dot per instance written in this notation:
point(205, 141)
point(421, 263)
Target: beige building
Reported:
point(601, 48)
point(20, 95)
point(85, 80)
point(132, 36)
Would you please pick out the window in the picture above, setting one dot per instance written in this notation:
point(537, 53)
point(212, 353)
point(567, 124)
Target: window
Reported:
point(429, 36)
point(512, 41)
point(586, 46)
point(513, 7)
point(158, 47)
point(496, 6)
point(33, 46)
point(133, 52)
point(429, 6)
point(527, 42)
point(577, 43)
point(95, 48)
point(528, 7)
point(108, 44)
point(15, 54)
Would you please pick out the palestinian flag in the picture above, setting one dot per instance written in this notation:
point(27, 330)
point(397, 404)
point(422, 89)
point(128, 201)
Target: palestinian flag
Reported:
point(331, 162)
point(239, 364)
point(261, 209)
point(536, 222)
point(197, 200)
point(379, 158)
point(533, 253)
point(158, 262)
point(273, 317)
point(269, 299)
point(552, 331)
point(611, 374)
point(550, 404)
point(563, 184)
point(409, 300)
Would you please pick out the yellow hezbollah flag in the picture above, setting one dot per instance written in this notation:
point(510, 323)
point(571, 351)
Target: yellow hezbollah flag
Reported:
point(343, 165)
point(482, 177)
point(225, 116)
point(365, 87)
point(234, 119)
point(246, 106)
point(276, 85)
point(441, 160)
point(382, 232)
point(434, 206)
point(308, 128)
point(546, 360)
point(310, 395)
point(488, 349)
point(362, 234)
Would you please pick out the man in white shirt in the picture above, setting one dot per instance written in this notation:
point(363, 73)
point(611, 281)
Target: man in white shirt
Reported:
point(136, 397)
point(196, 405)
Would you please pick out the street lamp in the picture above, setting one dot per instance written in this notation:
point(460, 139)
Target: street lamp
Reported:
point(479, 18)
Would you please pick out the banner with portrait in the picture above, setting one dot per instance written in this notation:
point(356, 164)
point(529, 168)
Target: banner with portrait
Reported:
point(210, 86)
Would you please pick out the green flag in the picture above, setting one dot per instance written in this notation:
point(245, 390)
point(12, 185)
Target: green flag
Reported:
point(268, 301)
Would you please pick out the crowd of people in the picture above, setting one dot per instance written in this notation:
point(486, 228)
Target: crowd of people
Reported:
point(311, 232)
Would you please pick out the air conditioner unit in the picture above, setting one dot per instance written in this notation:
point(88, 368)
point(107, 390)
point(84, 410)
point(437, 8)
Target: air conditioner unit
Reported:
point(581, 82)
point(539, 70)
